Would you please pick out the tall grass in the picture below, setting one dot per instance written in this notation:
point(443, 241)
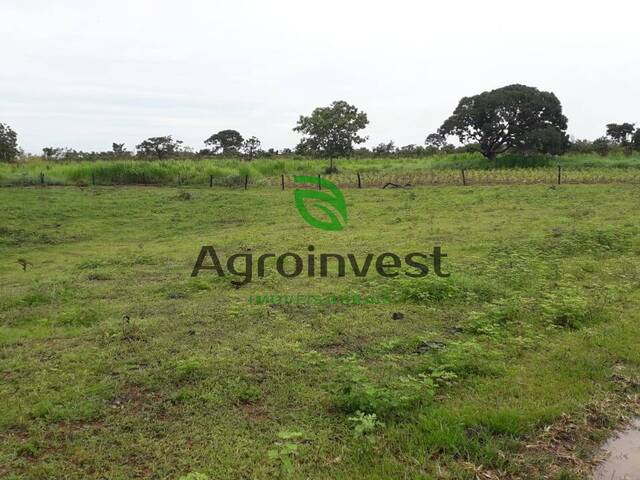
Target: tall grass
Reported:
point(232, 171)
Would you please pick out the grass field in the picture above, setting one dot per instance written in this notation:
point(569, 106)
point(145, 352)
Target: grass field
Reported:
point(515, 366)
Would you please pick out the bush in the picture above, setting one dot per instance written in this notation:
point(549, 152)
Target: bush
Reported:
point(566, 307)
point(357, 394)
point(442, 289)
point(521, 161)
point(602, 146)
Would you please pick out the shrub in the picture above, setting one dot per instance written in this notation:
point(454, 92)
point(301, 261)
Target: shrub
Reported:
point(431, 289)
point(359, 394)
point(602, 146)
point(566, 307)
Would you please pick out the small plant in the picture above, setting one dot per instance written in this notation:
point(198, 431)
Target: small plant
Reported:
point(184, 196)
point(493, 322)
point(79, 318)
point(194, 476)
point(566, 307)
point(359, 394)
point(442, 375)
point(365, 424)
point(188, 369)
point(24, 263)
point(430, 290)
point(286, 448)
point(247, 394)
point(126, 323)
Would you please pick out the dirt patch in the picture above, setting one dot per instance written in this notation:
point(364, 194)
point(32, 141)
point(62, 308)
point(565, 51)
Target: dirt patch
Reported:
point(253, 412)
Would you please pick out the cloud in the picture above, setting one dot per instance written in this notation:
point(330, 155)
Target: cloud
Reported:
point(86, 73)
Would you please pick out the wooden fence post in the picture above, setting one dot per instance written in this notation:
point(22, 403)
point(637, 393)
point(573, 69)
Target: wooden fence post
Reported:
point(210, 181)
point(359, 180)
point(282, 179)
point(319, 184)
point(246, 181)
point(464, 180)
point(559, 174)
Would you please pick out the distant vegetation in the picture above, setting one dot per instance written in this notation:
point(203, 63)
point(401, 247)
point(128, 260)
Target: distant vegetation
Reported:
point(443, 168)
point(513, 120)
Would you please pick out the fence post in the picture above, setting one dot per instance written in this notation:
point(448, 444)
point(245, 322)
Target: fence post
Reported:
point(359, 180)
point(319, 184)
point(41, 178)
point(464, 180)
point(210, 181)
point(246, 181)
point(282, 178)
point(559, 175)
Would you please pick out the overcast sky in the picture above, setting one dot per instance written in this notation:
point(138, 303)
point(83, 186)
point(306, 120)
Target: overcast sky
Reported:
point(84, 73)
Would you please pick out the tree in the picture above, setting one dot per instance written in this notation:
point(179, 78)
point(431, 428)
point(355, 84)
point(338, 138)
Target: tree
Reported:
point(547, 139)
point(601, 146)
point(118, 149)
point(55, 153)
point(435, 140)
point(384, 149)
point(411, 149)
point(251, 147)
point(161, 147)
point(635, 140)
point(577, 145)
point(227, 141)
point(620, 133)
point(331, 131)
point(507, 118)
point(8, 144)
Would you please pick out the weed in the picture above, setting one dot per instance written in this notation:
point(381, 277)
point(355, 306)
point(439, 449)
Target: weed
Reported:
point(285, 449)
point(365, 424)
point(188, 369)
point(566, 307)
point(358, 393)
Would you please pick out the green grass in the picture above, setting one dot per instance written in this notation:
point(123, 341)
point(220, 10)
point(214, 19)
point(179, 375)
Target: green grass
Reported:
point(417, 170)
point(540, 311)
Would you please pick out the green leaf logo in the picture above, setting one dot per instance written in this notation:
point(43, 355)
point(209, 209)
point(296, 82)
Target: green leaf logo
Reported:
point(322, 201)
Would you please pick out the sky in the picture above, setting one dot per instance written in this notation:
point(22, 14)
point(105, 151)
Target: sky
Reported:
point(83, 74)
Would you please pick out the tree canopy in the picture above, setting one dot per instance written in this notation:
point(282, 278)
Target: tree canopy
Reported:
point(331, 131)
point(160, 147)
point(229, 142)
point(251, 147)
point(620, 132)
point(635, 140)
point(8, 144)
point(512, 117)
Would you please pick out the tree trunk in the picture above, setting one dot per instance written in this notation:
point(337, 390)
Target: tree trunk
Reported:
point(489, 154)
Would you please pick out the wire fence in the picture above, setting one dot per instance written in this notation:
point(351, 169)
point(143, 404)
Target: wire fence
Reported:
point(444, 177)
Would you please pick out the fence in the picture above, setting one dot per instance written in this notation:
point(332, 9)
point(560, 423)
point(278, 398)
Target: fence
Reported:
point(462, 177)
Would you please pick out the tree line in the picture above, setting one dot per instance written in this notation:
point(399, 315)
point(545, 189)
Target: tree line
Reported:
point(515, 118)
